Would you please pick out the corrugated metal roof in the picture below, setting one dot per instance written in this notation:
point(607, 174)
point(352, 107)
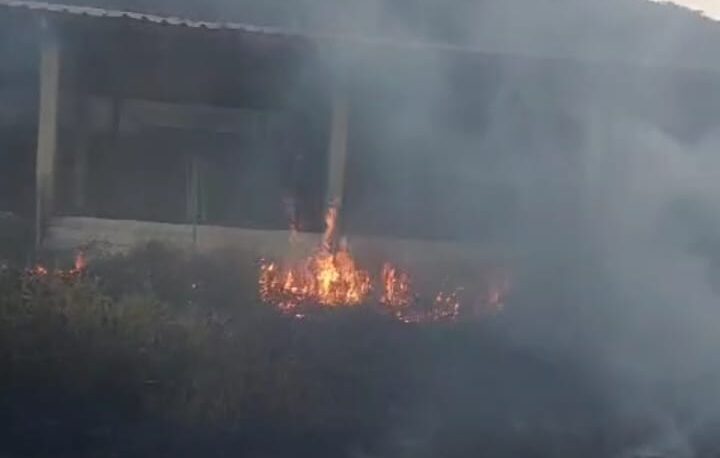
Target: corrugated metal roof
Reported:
point(144, 17)
point(209, 25)
point(693, 36)
point(233, 26)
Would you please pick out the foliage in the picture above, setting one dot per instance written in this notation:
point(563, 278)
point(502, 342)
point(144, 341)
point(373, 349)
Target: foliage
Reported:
point(156, 352)
point(149, 339)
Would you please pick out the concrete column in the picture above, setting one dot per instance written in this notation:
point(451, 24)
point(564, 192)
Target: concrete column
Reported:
point(47, 136)
point(80, 162)
point(338, 148)
point(192, 198)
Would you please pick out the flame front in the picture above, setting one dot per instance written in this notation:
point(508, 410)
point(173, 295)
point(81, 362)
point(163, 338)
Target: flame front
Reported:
point(330, 277)
point(80, 265)
point(406, 305)
point(397, 290)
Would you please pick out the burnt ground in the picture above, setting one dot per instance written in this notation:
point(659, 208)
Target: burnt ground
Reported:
point(139, 357)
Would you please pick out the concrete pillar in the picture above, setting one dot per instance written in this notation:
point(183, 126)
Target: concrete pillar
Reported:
point(192, 198)
point(80, 161)
point(47, 136)
point(338, 148)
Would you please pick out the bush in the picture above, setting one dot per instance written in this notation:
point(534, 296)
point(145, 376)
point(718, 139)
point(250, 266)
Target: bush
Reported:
point(142, 336)
point(166, 354)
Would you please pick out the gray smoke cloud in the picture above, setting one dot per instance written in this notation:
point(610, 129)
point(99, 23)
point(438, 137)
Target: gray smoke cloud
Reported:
point(584, 142)
point(612, 164)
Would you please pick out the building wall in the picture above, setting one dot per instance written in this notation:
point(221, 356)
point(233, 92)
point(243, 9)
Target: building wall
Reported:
point(18, 117)
point(424, 258)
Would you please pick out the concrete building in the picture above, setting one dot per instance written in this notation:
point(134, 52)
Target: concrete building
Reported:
point(216, 135)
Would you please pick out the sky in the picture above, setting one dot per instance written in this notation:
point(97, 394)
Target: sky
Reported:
point(711, 8)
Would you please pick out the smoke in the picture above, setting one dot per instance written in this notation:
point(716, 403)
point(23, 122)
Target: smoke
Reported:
point(577, 144)
point(606, 158)
point(650, 198)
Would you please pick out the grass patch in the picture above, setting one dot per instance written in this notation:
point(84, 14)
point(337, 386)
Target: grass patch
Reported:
point(159, 353)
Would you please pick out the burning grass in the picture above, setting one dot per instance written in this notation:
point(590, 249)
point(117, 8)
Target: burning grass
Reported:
point(176, 343)
point(331, 278)
point(154, 350)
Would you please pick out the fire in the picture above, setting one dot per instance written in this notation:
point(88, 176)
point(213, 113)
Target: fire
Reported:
point(79, 267)
point(39, 271)
point(446, 305)
point(80, 264)
point(397, 290)
point(330, 277)
point(406, 305)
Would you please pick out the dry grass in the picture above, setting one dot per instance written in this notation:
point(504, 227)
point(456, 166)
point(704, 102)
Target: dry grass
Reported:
point(148, 335)
point(157, 353)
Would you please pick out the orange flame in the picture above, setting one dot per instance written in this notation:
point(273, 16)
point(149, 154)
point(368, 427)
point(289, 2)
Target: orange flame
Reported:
point(330, 277)
point(398, 297)
point(39, 271)
point(397, 291)
point(80, 263)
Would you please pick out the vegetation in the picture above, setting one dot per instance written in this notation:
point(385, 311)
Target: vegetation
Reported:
point(148, 341)
point(156, 353)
